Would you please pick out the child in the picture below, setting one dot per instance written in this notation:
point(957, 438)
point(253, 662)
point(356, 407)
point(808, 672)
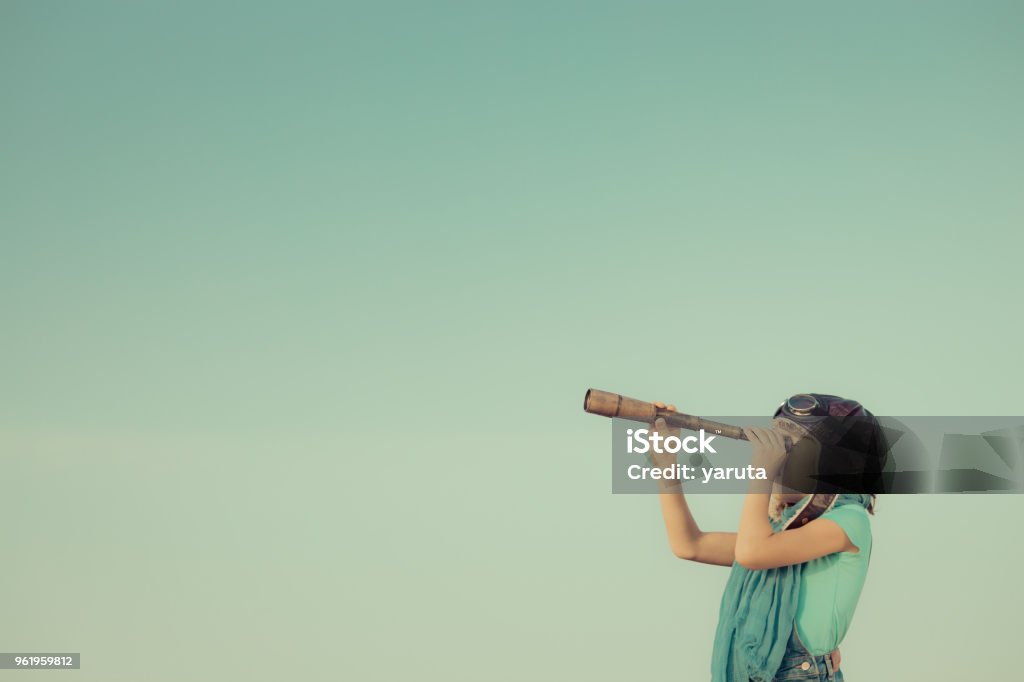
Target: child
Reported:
point(791, 595)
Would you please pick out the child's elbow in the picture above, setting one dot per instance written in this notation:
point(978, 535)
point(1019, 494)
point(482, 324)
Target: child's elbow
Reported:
point(750, 559)
point(685, 553)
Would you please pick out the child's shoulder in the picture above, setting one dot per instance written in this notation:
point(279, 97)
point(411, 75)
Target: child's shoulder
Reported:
point(854, 520)
point(853, 512)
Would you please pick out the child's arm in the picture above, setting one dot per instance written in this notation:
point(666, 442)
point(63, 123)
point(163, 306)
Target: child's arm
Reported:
point(685, 537)
point(757, 545)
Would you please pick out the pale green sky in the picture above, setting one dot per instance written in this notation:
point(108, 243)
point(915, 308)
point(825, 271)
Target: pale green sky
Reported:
point(300, 302)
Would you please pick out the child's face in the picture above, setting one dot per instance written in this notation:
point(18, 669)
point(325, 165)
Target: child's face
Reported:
point(797, 476)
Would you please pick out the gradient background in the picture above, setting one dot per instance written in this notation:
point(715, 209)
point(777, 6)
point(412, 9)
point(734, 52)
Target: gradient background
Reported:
point(300, 303)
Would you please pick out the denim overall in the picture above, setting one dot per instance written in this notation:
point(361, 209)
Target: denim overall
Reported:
point(798, 664)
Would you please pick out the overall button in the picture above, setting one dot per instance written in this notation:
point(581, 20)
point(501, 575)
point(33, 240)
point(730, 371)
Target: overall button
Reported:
point(805, 666)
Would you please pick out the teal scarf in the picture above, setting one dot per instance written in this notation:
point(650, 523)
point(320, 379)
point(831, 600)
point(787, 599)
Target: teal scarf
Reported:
point(757, 614)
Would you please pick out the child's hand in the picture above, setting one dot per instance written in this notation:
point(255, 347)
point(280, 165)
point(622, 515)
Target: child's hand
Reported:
point(769, 449)
point(663, 459)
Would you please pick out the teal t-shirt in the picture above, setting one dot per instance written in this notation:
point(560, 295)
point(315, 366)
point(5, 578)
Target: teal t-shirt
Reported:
point(830, 586)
